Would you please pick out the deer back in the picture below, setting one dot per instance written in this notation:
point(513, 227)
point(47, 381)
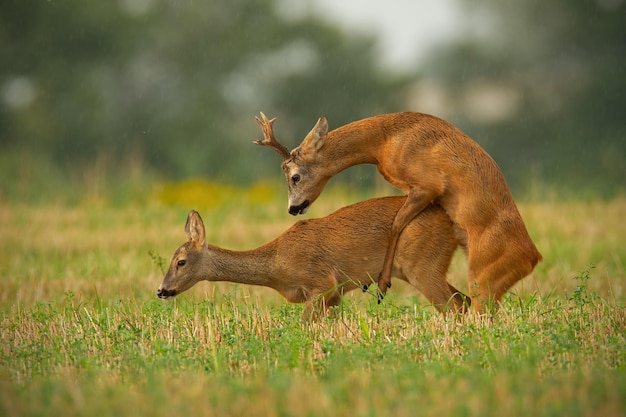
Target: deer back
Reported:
point(351, 243)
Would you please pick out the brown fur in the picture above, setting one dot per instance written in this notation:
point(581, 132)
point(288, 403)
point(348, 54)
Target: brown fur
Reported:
point(316, 261)
point(433, 162)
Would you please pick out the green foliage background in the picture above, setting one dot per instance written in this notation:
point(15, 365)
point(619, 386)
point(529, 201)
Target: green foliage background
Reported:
point(92, 93)
point(566, 62)
point(174, 89)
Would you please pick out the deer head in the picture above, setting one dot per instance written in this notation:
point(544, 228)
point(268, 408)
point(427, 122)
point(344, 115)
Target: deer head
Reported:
point(305, 178)
point(186, 266)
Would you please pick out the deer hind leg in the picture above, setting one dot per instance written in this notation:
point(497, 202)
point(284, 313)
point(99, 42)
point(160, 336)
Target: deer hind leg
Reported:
point(443, 296)
point(489, 284)
point(416, 201)
point(499, 257)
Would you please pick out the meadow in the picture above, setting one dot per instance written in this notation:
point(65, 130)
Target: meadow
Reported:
point(83, 333)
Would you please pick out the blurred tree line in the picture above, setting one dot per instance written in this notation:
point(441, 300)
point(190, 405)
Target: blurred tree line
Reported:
point(173, 87)
point(542, 86)
point(169, 89)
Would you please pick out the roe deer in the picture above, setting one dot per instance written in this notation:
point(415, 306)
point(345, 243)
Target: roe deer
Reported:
point(316, 261)
point(433, 162)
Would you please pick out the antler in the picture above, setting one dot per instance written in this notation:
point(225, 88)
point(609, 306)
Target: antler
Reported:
point(268, 137)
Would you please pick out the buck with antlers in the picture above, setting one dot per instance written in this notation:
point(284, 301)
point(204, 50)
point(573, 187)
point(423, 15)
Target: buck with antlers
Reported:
point(433, 162)
point(316, 261)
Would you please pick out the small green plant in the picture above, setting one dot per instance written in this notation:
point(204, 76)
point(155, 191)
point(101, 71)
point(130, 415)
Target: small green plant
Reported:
point(581, 296)
point(158, 260)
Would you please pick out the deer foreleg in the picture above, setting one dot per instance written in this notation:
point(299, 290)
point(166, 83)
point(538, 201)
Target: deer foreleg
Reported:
point(416, 201)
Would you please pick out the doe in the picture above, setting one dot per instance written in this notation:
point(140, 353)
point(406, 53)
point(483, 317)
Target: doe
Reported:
point(316, 261)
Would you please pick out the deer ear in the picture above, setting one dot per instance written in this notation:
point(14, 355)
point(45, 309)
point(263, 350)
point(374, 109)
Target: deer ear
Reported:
point(317, 136)
point(194, 228)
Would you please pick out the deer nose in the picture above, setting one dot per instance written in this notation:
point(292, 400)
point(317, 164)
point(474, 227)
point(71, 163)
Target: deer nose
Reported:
point(161, 293)
point(301, 209)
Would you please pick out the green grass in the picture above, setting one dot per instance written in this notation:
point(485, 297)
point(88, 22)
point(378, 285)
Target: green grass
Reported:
point(82, 332)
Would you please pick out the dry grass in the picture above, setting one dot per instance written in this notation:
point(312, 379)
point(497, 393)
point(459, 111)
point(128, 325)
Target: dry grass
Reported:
point(83, 333)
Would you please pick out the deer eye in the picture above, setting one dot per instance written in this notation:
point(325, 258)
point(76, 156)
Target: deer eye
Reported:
point(295, 178)
point(181, 262)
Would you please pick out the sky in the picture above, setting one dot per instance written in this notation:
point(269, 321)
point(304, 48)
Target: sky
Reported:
point(407, 29)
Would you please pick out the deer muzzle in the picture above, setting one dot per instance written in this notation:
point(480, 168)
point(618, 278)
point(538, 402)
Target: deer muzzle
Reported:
point(301, 209)
point(165, 294)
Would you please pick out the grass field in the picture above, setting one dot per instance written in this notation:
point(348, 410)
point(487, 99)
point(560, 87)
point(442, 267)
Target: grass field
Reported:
point(82, 332)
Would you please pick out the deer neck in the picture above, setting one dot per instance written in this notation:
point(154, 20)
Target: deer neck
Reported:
point(252, 267)
point(348, 146)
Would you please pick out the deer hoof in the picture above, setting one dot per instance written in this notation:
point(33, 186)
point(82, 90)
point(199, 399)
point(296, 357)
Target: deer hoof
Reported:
point(365, 287)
